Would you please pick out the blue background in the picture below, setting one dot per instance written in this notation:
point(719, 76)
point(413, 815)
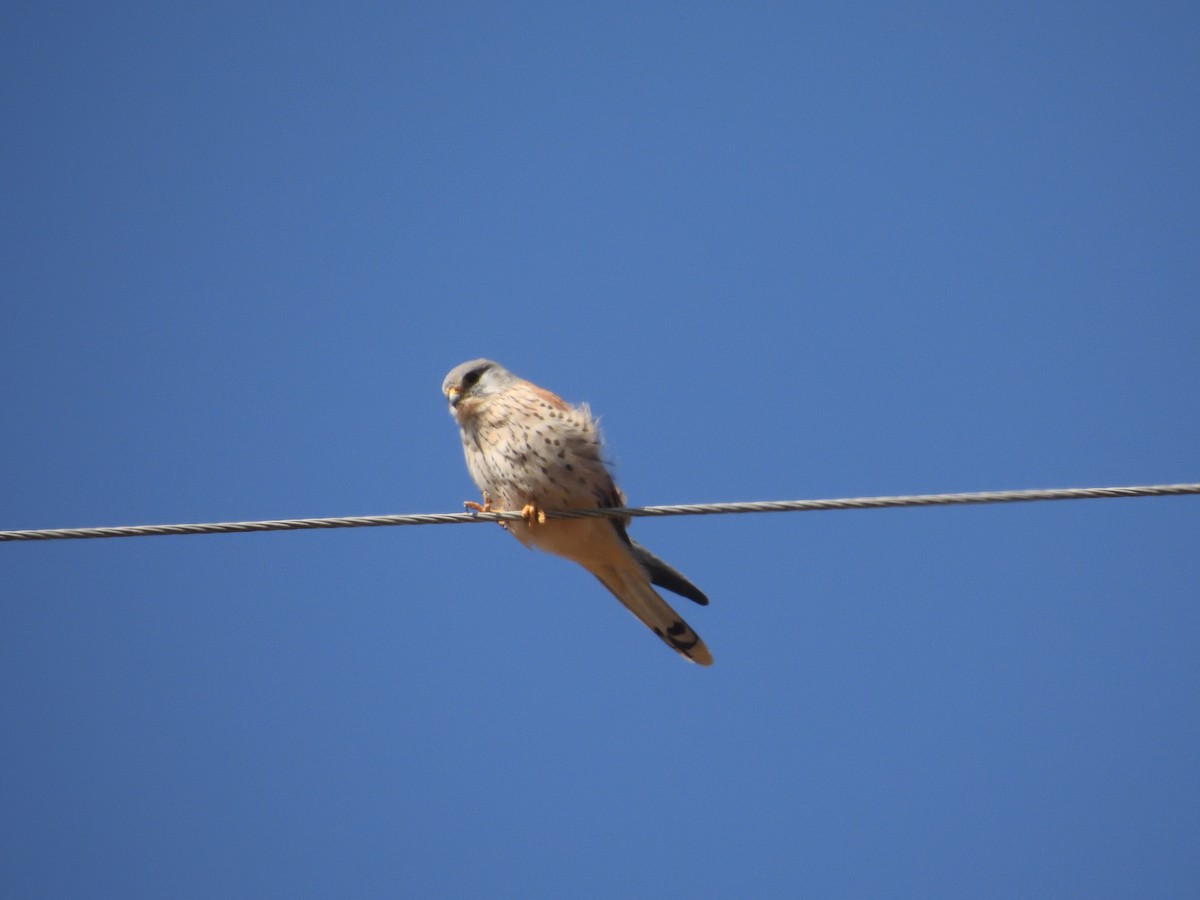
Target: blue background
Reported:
point(785, 251)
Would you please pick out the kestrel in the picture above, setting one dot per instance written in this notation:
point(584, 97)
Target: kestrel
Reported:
point(527, 450)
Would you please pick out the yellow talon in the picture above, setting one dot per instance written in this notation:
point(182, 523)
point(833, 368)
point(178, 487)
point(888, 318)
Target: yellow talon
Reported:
point(532, 513)
point(486, 507)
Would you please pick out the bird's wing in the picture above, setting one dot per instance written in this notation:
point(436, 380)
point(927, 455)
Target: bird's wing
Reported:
point(665, 576)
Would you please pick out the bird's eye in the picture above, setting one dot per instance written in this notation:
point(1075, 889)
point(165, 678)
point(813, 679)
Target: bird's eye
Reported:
point(471, 378)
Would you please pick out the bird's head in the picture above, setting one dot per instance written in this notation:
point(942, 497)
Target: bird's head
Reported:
point(470, 383)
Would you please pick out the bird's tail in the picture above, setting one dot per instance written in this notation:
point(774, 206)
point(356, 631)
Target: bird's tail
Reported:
point(627, 582)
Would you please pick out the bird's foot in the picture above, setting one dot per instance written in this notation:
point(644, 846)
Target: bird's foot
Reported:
point(485, 507)
point(533, 514)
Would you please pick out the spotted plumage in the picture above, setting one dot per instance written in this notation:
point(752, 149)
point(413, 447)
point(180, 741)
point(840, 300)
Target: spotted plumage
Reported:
point(527, 450)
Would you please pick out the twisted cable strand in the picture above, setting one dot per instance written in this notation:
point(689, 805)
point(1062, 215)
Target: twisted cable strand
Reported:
point(700, 509)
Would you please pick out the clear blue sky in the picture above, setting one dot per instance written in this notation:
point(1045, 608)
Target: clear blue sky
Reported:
point(786, 251)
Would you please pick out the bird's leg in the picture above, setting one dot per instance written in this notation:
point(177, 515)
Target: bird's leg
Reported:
point(533, 514)
point(486, 507)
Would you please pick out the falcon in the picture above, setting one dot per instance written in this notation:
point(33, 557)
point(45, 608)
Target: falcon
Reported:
point(529, 451)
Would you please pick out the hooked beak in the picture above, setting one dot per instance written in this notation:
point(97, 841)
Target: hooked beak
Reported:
point(454, 394)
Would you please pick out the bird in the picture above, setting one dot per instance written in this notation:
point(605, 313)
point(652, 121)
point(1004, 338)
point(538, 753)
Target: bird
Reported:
point(528, 450)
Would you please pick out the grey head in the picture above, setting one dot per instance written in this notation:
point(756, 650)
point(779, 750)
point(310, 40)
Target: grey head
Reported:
point(475, 380)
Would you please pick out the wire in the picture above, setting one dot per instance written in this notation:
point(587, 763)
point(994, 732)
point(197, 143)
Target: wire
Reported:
point(702, 509)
